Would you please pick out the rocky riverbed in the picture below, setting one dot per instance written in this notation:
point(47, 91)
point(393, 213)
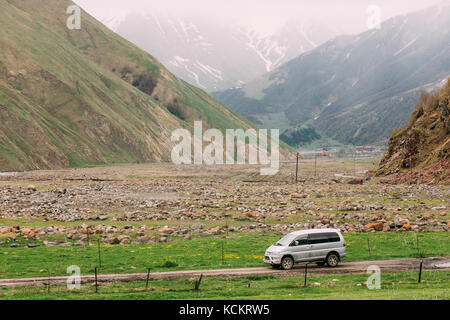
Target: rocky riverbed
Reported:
point(157, 203)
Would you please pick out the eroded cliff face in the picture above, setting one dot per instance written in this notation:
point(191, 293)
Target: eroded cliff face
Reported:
point(420, 153)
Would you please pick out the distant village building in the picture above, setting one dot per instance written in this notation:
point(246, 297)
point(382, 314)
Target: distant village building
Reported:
point(365, 149)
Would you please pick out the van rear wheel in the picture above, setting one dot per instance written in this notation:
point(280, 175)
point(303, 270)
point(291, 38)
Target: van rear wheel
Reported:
point(287, 263)
point(332, 260)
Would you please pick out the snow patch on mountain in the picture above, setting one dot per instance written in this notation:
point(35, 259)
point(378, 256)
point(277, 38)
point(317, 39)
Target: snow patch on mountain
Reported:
point(405, 47)
point(184, 63)
point(210, 70)
point(216, 55)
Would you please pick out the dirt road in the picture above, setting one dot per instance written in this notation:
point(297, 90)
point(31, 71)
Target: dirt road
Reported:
point(396, 265)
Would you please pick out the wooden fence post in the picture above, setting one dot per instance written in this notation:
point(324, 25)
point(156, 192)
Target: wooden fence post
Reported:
point(99, 254)
point(420, 271)
point(96, 282)
point(148, 278)
point(197, 283)
point(306, 274)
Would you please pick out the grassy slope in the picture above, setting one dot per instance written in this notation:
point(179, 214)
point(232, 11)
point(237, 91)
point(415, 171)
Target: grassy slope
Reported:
point(63, 103)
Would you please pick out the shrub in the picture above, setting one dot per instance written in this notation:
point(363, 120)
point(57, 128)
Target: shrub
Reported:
point(396, 132)
point(125, 71)
point(180, 110)
point(169, 264)
point(145, 82)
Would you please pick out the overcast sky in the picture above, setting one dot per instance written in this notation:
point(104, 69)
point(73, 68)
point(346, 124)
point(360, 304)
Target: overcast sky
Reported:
point(343, 16)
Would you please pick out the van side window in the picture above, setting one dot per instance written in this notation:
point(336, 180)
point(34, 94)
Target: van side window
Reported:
point(299, 242)
point(316, 238)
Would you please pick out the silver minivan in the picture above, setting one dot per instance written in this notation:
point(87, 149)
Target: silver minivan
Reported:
point(315, 245)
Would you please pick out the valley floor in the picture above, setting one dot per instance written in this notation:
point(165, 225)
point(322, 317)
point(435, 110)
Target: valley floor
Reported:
point(127, 219)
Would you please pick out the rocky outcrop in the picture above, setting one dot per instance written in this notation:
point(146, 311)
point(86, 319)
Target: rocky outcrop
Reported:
point(420, 153)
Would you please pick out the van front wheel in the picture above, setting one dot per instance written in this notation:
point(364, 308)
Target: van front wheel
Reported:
point(287, 263)
point(332, 260)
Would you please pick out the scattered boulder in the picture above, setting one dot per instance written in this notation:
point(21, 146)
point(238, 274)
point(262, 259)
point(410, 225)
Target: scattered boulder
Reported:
point(405, 227)
point(124, 239)
point(112, 240)
point(166, 230)
point(377, 226)
point(356, 181)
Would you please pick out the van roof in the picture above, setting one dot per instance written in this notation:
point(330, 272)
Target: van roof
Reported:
point(309, 231)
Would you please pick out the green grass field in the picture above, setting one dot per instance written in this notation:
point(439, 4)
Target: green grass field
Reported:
point(203, 253)
point(435, 285)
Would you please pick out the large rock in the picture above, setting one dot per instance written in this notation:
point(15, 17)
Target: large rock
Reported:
point(356, 181)
point(112, 240)
point(147, 239)
point(166, 230)
point(124, 239)
point(377, 226)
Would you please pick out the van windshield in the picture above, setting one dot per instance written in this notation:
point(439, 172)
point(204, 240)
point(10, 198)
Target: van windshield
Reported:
point(286, 240)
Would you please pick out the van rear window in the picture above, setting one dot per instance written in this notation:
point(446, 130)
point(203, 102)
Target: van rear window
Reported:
point(333, 237)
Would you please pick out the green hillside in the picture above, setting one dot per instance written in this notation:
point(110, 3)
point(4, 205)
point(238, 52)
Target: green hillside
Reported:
point(83, 97)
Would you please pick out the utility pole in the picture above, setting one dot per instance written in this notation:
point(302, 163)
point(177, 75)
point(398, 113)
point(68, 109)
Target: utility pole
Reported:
point(315, 165)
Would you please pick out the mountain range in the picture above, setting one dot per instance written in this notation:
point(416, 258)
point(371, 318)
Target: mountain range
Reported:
point(87, 97)
point(217, 55)
point(354, 89)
